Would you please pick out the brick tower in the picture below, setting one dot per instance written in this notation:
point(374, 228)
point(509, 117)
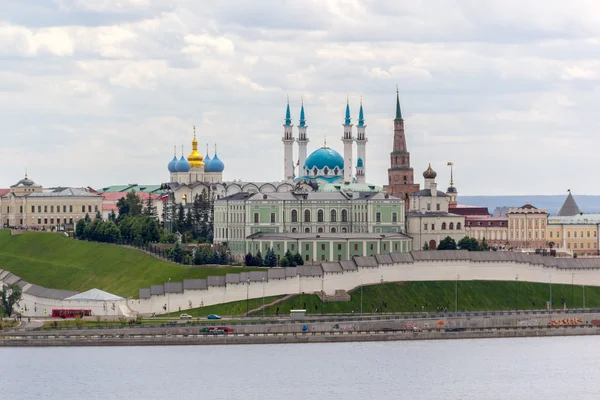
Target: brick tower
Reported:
point(400, 174)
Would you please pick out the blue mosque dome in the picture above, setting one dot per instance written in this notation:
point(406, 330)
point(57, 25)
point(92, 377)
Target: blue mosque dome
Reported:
point(173, 165)
point(359, 163)
point(324, 157)
point(215, 165)
point(207, 159)
point(182, 165)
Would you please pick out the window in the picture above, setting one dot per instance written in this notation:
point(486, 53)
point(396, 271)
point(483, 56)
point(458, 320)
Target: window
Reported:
point(64, 209)
point(51, 208)
point(320, 216)
point(371, 246)
point(339, 246)
point(395, 246)
point(272, 218)
point(428, 206)
point(355, 246)
point(394, 217)
point(574, 245)
point(256, 218)
point(294, 215)
point(344, 230)
point(322, 246)
point(568, 245)
point(333, 230)
point(425, 227)
point(458, 225)
point(569, 234)
point(384, 246)
point(278, 247)
point(451, 225)
point(344, 215)
point(96, 208)
point(433, 227)
point(558, 235)
point(39, 209)
point(581, 233)
point(82, 209)
point(443, 226)
point(32, 208)
point(39, 221)
point(320, 230)
point(294, 230)
point(306, 230)
point(293, 247)
point(21, 209)
point(89, 208)
point(306, 215)
point(551, 234)
point(45, 209)
point(437, 206)
point(71, 221)
point(45, 221)
point(575, 234)
point(306, 246)
point(378, 217)
point(322, 257)
point(52, 221)
point(307, 257)
point(588, 245)
point(333, 216)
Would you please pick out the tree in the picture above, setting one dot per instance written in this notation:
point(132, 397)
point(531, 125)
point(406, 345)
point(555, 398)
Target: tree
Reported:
point(258, 260)
point(290, 260)
point(87, 218)
point(130, 205)
point(98, 215)
point(270, 258)
point(298, 259)
point(177, 253)
point(112, 216)
point(468, 243)
point(426, 246)
point(150, 209)
point(284, 262)
point(483, 246)
point(447, 244)
point(10, 295)
point(80, 229)
point(249, 260)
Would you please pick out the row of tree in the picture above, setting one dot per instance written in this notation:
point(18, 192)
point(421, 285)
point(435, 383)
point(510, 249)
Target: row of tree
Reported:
point(194, 221)
point(271, 259)
point(201, 256)
point(466, 243)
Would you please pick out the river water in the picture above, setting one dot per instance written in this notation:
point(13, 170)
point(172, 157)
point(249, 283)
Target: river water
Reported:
point(525, 368)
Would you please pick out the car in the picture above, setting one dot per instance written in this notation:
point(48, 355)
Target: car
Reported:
point(213, 316)
point(225, 329)
point(185, 316)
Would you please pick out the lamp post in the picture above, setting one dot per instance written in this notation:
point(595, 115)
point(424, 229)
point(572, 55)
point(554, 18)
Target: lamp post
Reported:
point(572, 289)
point(517, 298)
point(381, 295)
point(263, 280)
point(247, 295)
point(168, 299)
point(456, 294)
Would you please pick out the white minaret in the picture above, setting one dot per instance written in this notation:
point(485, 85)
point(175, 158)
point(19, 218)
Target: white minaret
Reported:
point(288, 147)
point(361, 147)
point(302, 141)
point(347, 140)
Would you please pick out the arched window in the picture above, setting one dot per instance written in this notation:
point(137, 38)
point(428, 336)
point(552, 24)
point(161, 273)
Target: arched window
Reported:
point(333, 230)
point(344, 215)
point(335, 171)
point(325, 170)
point(320, 216)
point(306, 215)
point(315, 170)
point(294, 215)
point(344, 230)
point(306, 230)
point(320, 230)
point(451, 225)
point(443, 226)
point(402, 160)
point(294, 230)
point(394, 217)
point(378, 217)
point(333, 216)
point(458, 225)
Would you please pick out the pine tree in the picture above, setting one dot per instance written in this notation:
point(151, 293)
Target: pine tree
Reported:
point(298, 259)
point(98, 215)
point(270, 258)
point(177, 253)
point(150, 209)
point(249, 260)
point(258, 260)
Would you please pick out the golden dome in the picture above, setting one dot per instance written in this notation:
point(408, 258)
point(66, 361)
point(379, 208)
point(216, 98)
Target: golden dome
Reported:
point(195, 158)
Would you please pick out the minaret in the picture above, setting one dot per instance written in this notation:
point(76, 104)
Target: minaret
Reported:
point(302, 141)
point(288, 146)
point(400, 174)
point(361, 145)
point(452, 192)
point(347, 140)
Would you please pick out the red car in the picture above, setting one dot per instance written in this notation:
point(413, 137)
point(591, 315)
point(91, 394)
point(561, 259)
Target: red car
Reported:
point(225, 329)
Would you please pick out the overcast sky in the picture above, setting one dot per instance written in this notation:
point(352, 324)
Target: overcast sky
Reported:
point(97, 92)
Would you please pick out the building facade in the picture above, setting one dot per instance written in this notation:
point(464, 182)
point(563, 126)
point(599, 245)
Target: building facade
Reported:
point(574, 231)
point(527, 227)
point(27, 205)
point(428, 219)
point(493, 229)
point(343, 212)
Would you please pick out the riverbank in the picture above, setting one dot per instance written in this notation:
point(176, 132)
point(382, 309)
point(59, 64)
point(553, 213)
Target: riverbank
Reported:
point(121, 339)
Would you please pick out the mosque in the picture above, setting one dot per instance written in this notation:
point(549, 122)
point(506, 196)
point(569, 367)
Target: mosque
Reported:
point(319, 171)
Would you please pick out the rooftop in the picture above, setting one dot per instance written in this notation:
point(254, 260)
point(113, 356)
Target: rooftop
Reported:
point(327, 236)
point(580, 219)
point(62, 192)
point(115, 196)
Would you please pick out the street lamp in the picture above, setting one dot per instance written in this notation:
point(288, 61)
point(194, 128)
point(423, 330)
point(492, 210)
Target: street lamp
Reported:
point(247, 295)
point(517, 298)
point(381, 295)
point(263, 280)
point(456, 294)
point(168, 299)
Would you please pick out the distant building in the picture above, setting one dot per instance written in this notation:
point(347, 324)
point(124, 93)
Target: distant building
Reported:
point(527, 227)
point(28, 205)
point(573, 230)
point(428, 218)
point(493, 229)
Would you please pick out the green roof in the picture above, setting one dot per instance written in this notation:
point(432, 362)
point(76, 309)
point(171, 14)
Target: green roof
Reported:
point(357, 187)
point(128, 188)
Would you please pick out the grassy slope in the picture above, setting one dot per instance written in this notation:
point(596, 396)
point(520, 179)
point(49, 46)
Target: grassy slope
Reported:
point(53, 261)
point(234, 308)
point(472, 295)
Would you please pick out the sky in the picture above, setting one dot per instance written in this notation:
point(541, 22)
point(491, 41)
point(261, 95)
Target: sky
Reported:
point(97, 92)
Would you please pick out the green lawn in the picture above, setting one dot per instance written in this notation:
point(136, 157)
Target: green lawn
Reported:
point(428, 296)
point(234, 308)
point(53, 261)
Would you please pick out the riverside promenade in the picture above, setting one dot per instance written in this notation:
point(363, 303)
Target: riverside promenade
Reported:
point(323, 330)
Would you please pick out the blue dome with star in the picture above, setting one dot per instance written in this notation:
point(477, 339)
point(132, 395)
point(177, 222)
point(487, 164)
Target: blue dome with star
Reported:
point(324, 157)
point(173, 165)
point(182, 165)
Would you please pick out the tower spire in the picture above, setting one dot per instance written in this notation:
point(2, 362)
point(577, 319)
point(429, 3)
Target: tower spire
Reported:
point(451, 165)
point(347, 119)
point(175, 150)
point(194, 131)
point(398, 112)
point(288, 116)
point(361, 117)
point(302, 119)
